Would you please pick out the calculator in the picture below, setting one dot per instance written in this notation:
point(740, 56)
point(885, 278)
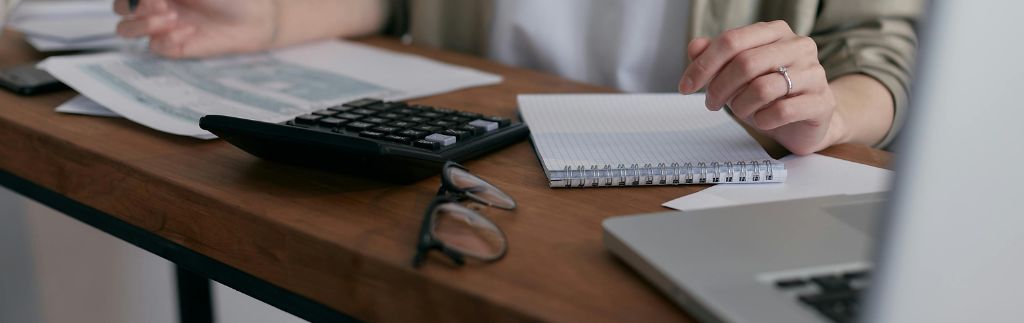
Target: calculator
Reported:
point(393, 141)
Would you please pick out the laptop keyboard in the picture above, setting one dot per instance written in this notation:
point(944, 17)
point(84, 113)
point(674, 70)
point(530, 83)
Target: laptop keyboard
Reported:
point(835, 296)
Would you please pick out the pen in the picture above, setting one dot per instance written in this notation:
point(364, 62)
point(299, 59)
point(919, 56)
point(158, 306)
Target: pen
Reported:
point(132, 4)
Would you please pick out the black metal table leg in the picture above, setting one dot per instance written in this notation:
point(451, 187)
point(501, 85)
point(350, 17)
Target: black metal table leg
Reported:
point(210, 268)
point(195, 303)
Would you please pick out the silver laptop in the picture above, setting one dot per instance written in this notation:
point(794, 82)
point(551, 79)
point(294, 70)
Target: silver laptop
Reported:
point(947, 246)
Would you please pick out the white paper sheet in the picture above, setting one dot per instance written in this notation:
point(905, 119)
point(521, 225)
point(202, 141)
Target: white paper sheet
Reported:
point(67, 25)
point(49, 45)
point(809, 176)
point(71, 29)
point(172, 95)
point(82, 105)
point(30, 10)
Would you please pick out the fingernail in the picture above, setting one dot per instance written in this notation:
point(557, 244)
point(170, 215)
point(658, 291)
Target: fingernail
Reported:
point(687, 85)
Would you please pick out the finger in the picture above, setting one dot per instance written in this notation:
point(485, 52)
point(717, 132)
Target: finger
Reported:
point(764, 90)
point(730, 43)
point(145, 26)
point(694, 49)
point(755, 62)
point(171, 43)
point(146, 7)
point(697, 46)
point(206, 47)
point(790, 110)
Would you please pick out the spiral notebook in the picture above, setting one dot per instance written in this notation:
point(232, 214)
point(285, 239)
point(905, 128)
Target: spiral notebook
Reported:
point(592, 140)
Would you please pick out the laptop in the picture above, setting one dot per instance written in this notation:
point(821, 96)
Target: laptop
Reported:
point(945, 245)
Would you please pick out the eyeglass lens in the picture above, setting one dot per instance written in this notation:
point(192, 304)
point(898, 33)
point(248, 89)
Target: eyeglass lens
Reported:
point(468, 232)
point(480, 190)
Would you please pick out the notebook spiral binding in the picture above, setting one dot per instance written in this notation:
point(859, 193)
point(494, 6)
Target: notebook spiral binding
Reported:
point(662, 174)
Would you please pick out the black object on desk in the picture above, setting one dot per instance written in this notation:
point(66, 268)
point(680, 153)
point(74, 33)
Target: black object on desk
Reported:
point(29, 80)
point(393, 141)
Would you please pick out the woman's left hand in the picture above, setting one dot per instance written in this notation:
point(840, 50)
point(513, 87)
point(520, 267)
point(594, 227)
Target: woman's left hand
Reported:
point(741, 69)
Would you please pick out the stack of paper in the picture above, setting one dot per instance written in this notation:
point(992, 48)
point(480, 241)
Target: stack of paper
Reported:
point(68, 25)
point(172, 95)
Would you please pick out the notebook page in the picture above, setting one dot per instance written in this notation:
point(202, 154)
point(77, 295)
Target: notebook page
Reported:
point(572, 130)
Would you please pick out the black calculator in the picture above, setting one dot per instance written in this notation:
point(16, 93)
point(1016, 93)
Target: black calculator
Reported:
point(393, 141)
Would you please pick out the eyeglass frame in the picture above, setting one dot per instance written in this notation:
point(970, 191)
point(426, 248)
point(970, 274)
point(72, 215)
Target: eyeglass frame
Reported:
point(450, 193)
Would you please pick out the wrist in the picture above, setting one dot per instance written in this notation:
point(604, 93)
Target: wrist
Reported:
point(838, 129)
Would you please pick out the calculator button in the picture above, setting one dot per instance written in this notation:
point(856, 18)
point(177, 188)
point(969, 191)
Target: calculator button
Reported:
point(364, 111)
point(413, 133)
point(362, 103)
point(444, 140)
point(406, 111)
point(398, 139)
point(358, 126)
point(474, 131)
point(325, 112)
point(460, 134)
point(371, 134)
point(309, 119)
point(340, 108)
point(427, 128)
point(401, 124)
point(375, 120)
point(484, 124)
point(441, 123)
point(455, 119)
point(427, 144)
point(470, 115)
point(350, 116)
point(385, 129)
point(392, 105)
point(417, 119)
point(501, 121)
point(331, 122)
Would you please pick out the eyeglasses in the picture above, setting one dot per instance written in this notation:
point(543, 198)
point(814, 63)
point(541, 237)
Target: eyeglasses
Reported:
point(459, 231)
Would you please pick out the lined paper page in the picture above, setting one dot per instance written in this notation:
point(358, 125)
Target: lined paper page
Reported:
point(624, 129)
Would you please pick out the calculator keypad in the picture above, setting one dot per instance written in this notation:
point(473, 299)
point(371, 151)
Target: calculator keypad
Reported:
point(429, 128)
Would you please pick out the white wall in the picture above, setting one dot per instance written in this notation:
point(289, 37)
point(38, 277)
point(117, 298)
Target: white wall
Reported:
point(56, 269)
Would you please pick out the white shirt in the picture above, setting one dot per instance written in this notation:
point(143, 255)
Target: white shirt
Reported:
point(632, 45)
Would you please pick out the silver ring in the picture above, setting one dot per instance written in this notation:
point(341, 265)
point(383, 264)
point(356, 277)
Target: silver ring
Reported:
point(785, 74)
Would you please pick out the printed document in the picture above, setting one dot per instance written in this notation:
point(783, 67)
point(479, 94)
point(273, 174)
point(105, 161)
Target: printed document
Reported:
point(172, 95)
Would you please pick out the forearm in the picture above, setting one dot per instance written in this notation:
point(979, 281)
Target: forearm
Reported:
point(864, 110)
point(299, 21)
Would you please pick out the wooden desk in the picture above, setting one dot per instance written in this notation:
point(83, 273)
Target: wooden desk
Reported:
point(342, 241)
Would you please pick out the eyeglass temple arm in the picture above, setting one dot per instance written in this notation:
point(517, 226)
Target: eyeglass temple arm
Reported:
point(423, 250)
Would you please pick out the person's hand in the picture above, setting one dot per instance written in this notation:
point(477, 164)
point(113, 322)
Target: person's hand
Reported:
point(193, 28)
point(740, 69)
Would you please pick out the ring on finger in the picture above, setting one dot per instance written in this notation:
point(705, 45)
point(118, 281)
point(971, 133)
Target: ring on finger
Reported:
point(785, 74)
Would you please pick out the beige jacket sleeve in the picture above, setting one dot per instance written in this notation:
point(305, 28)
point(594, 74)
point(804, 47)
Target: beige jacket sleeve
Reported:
point(876, 38)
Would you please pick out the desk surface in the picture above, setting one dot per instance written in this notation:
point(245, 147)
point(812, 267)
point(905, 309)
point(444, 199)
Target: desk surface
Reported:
point(344, 241)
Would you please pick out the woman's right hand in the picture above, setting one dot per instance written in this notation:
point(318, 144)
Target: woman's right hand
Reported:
point(198, 28)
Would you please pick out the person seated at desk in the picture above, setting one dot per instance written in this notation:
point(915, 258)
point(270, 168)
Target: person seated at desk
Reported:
point(809, 74)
